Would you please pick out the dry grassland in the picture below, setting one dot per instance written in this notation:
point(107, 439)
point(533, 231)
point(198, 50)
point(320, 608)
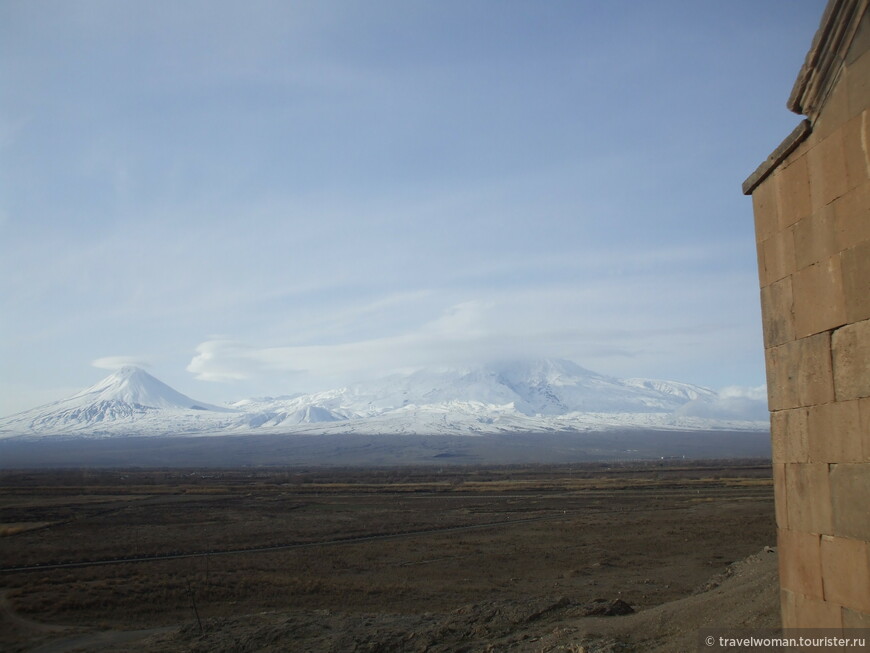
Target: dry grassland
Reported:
point(645, 533)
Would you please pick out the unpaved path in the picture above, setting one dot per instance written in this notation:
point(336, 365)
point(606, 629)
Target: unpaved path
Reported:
point(9, 614)
point(105, 640)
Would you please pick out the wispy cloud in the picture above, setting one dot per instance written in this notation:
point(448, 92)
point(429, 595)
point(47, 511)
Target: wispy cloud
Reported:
point(522, 325)
point(117, 362)
point(756, 393)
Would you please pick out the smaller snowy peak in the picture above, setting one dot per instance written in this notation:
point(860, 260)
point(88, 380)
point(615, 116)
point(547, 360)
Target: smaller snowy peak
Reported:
point(133, 386)
point(130, 400)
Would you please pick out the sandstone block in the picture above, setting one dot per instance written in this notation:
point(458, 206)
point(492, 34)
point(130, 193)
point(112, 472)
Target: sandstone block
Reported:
point(778, 435)
point(852, 217)
point(827, 168)
point(851, 360)
point(855, 619)
point(860, 41)
point(787, 606)
point(815, 237)
point(849, 487)
point(806, 612)
point(800, 565)
point(778, 253)
point(855, 149)
point(855, 271)
point(835, 111)
point(814, 375)
point(793, 192)
point(781, 373)
point(777, 312)
point(799, 373)
point(789, 436)
point(762, 267)
point(858, 84)
point(808, 502)
point(780, 495)
point(864, 429)
point(818, 298)
point(765, 208)
point(834, 433)
point(846, 572)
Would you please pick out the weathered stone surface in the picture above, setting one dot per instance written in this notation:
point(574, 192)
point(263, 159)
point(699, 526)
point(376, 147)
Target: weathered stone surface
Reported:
point(846, 572)
point(778, 255)
point(788, 150)
point(855, 144)
point(827, 167)
point(860, 41)
point(855, 271)
point(799, 373)
point(809, 612)
point(809, 499)
point(858, 84)
point(835, 113)
point(815, 238)
point(855, 619)
point(777, 312)
point(793, 190)
point(778, 435)
point(818, 298)
point(789, 436)
point(864, 429)
point(834, 433)
point(765, 209)
point(814, 374)
point(800, 564)
point(780, 371)
point(850, 501)
point(852, 217)
point(780, 495)
point(851, 361)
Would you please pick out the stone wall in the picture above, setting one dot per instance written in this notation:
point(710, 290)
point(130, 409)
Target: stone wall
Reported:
point(812, 215)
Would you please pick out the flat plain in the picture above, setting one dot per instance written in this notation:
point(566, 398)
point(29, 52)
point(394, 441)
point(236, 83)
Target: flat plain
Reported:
point(511, 557)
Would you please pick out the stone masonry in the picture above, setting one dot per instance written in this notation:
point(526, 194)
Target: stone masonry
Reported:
point(811, 200)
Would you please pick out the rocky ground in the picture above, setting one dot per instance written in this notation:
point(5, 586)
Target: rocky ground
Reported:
point(745, 596)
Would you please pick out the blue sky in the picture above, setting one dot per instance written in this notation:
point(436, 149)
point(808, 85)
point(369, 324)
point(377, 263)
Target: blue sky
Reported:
point(270, 197)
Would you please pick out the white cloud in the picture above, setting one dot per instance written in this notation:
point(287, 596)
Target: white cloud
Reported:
point(756, 393)
point(506, 326)
point(117, 362)
point(733, 402)
point(460, 334)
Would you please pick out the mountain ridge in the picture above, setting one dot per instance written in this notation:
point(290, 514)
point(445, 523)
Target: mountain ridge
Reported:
point(546, 395)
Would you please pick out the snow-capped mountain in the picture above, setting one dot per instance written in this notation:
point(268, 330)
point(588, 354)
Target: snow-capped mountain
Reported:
point(130, 398)
point(515, 396)
point(530, 388)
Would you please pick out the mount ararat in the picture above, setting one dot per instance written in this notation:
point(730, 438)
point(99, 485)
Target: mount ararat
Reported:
point(512, 397)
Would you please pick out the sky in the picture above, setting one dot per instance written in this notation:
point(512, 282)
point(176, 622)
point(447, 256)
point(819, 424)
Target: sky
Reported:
point(260, 198)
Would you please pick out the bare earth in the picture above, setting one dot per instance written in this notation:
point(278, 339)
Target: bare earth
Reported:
point(511, 558)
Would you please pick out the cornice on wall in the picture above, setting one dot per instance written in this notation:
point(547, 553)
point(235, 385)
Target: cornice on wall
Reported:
point(826, 56)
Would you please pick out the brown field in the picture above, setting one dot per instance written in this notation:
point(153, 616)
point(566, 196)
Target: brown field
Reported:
point(389, 559)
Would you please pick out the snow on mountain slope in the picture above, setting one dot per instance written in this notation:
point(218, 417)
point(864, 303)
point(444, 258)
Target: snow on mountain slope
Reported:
point(130, 397)
point(683, 391)
point(512, 396)
point(543, 387)
point(134, 386)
